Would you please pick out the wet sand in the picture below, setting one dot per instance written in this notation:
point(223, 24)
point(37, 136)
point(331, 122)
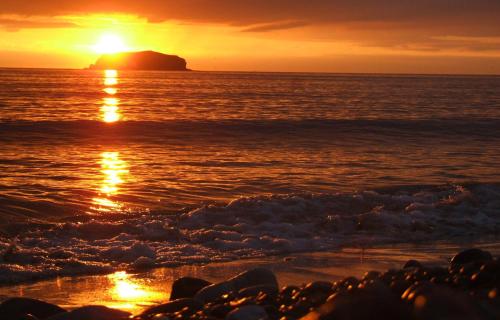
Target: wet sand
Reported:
point(136, 291)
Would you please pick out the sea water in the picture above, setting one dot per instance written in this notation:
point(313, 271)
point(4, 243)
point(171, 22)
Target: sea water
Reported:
point(103, 170)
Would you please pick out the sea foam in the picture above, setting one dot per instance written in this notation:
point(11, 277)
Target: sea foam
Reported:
point(251, 227)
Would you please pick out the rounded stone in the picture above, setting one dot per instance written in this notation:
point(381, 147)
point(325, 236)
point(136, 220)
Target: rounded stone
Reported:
point(412, 264)
point(17, 307)
point(471, 255)
point(256, 290)
point(92, 312)
point(372, 300)
point(248, 313)
point(173, 306)
point(187, 287)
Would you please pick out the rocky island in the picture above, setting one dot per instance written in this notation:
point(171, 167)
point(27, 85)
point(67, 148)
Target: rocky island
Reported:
point(143, 60)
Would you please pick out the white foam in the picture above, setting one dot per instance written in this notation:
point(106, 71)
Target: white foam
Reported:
point(250, 227)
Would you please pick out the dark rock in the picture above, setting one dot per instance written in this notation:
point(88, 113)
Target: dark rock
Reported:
point(92, 313)
point(272, 311)
point(399, 286)
point(348, 282)
point(144, 60)
point(371, 300)
point(315, 293)
point(248, 313)
point(220, 310)
point(254, 277)
point(471, 255)
point(251, 278)
point(255, 290)
point(439, 302)
point(370, 275)
point(160, 316)
point(173, 306)
point(288, 290)
point(215, 291)
point(242, 302)
point(187, 287)
point(25, 317)
point(286, 293)
point(412, 264)
point(18, 307)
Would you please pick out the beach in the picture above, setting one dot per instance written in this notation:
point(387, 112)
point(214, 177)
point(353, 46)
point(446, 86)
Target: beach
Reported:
point(116, 183)
point(315, 277)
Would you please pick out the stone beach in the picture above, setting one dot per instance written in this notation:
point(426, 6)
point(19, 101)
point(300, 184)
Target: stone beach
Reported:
point(466, 288)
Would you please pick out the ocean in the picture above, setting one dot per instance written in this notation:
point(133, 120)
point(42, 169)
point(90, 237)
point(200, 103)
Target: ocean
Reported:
point(104, 170)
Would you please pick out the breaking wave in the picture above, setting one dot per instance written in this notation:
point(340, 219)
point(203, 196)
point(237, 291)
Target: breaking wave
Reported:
point(251, 227)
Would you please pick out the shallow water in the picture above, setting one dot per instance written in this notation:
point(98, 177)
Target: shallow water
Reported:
point(124, 162)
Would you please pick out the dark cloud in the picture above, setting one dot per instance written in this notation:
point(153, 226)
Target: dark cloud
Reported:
point(463, 15)
point(389, 23)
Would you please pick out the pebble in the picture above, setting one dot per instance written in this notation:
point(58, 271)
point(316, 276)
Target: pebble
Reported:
point(18, 307)
point(471, 255)
point(412, 264)
point(468, 288)
point(255, 290)
point(248, 313)
point(174, 306)
point(26, 317)
point(92, 313)
point(250, 278)
point(368, 302)
point(187, 287)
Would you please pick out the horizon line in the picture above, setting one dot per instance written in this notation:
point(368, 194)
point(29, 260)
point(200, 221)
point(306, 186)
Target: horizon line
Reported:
point(290, 72)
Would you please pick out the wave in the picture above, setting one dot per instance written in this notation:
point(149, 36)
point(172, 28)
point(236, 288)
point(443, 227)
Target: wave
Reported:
point(251, 227)
point(247, 129)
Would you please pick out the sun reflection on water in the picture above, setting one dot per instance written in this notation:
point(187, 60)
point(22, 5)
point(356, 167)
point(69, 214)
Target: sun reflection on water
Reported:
point(110, 110)
point(114, 170)
point(110, 105)
point(110, 91)
point(128, 293)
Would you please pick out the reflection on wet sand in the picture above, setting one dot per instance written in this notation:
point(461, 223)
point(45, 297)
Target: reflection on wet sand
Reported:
point(113, 171)
point(127, 293)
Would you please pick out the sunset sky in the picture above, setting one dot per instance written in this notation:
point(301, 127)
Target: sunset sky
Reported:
point(400, 36)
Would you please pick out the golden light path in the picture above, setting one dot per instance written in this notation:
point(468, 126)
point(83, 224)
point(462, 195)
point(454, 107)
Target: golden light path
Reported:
point(110, 105)
point(110, 110)
point(113, 170)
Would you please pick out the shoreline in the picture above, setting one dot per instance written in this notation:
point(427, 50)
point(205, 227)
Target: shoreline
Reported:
point(136, 291)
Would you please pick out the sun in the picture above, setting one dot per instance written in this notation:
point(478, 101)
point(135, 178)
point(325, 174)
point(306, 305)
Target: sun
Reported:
point(110, 43)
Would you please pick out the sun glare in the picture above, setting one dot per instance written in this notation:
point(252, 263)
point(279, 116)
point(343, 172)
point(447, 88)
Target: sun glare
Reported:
point(110, 43)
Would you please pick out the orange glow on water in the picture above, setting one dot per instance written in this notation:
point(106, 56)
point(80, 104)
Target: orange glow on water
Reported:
point(110, 91)
point(110, 81)
point(114, 170)
point(110, 73)
point(110, 110)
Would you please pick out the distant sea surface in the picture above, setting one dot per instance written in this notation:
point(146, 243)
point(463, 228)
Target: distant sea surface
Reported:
point(103, 168)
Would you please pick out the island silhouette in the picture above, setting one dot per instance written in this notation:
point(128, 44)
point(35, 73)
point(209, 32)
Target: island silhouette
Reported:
point(142, 60)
